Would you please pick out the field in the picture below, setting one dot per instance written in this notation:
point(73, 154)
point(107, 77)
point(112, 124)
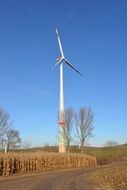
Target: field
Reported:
point(21, 162)
point(104, 155)
point(108, 155)
point(114, 177)
point(110, 172)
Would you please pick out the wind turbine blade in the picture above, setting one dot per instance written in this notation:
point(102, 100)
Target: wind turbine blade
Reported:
point(57, 63)
point(72, 67)
point(59, 42)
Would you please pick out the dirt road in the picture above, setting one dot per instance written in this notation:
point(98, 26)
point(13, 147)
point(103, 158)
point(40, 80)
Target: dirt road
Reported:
point(74, 179)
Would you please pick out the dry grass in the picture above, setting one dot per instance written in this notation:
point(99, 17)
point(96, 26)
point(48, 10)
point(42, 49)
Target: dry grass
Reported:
point(114, 177)
point(15, 163)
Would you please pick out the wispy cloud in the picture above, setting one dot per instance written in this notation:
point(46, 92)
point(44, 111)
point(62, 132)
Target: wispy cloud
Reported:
point(72, 14)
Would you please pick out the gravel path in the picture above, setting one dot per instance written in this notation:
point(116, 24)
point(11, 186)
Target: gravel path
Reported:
point(74, 179)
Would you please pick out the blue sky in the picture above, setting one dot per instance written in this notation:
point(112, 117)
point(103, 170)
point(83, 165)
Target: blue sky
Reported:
point(94, 36)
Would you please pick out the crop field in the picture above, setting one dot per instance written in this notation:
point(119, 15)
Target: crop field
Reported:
point(110, 173)
point(107, 155)
point(114, 178)
point(15, 163)
point(104, 155)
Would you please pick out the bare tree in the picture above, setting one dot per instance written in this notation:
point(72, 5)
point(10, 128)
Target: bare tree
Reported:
point(2, 140)
point(4, 126)
point(9, 138)
point(84, 125)
point(4, 122)
point(13, 139)
point(67, 128)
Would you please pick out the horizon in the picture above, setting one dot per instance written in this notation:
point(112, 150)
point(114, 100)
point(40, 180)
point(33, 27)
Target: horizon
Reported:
point(93, 35)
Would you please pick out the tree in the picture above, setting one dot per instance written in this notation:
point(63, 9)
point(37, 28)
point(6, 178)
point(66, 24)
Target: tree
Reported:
point(84, 125)
point(4, 126)
point(67, 128)
point(2, 141)
point(26, 144)
point(9, 137)
point(4, 122)
point(13, 139)
point(111, 143)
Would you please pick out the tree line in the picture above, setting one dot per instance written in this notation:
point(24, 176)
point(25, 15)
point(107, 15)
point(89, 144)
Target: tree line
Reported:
point(9, 137)
point(83, 120)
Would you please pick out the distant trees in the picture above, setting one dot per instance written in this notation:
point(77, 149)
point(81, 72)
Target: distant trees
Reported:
point(111, 143)
point(26, 144)
point(84, 126)
point(9, 137)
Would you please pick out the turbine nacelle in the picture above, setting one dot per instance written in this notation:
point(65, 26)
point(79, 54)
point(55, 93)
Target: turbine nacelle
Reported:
point(62, 58)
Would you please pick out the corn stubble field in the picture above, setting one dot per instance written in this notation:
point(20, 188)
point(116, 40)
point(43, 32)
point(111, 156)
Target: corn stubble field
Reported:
point(22, 163)
point(45, 159)
point(114, 178)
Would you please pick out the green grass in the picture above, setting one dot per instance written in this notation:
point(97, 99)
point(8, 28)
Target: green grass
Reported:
point(120, 150)
point(107, 155)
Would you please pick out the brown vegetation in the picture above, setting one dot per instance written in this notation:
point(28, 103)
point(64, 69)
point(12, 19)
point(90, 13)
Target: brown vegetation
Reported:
point(115, 177)
point(15, 163)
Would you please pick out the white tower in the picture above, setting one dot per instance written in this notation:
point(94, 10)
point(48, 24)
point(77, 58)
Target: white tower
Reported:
point(62, 147)
point(60, 60)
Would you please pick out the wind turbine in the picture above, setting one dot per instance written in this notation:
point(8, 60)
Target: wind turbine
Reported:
point(61, 60)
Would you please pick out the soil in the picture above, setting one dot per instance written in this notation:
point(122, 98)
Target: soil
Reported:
point(114, 177)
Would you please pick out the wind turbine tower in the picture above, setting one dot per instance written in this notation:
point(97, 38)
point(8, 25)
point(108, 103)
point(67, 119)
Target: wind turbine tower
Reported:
point(60, 61)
